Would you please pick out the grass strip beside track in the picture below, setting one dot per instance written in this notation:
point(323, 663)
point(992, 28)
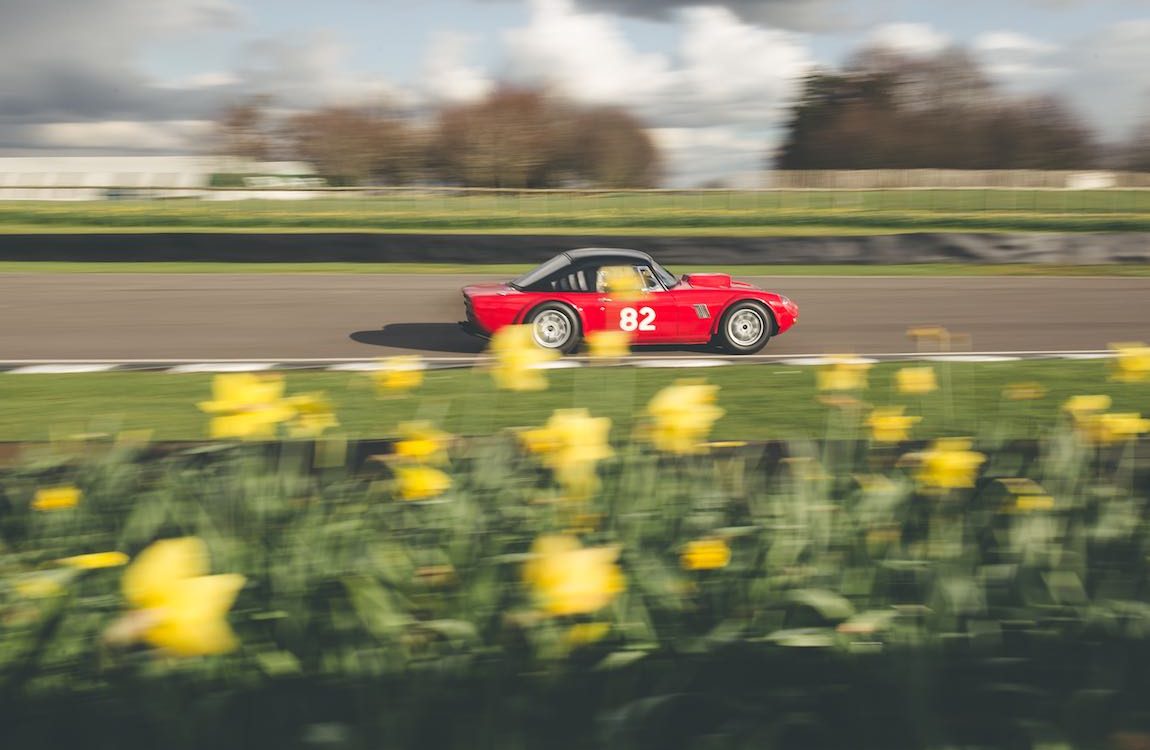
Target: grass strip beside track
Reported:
point(509, 270)
point(761, 401)
point(653, 213)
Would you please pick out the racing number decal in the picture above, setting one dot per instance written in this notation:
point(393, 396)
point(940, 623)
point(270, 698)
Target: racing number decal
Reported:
point(629, 319)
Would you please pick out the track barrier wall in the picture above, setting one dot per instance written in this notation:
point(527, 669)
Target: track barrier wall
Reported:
point(911, 248)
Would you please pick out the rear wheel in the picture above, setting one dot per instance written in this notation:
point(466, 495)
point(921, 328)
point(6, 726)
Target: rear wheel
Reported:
point(555, 326)
point(745, 328)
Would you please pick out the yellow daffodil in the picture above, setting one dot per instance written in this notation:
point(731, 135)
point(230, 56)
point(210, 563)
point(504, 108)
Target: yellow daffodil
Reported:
point(585, 633)
point(56, 498)
point(623, 283)
point(421, 441)
point(415, 483)
point(949, 464)
point(1027, 391)
point(1080, 406)
point(889, 425)
point(683, 415)
point(518, 360)
point(916, 381)
point(1034, 502)
point(1107, 429)
point(705, 554)
point(571, 444)
point(313, 415)
point(608, 344)
point(570, 436)
point(569, 579)
point(95, 560)
point(399, 374)
point(843, 374)
point(1026, 494)
point(177, 607)
point(247, 405)
point(1132, 364)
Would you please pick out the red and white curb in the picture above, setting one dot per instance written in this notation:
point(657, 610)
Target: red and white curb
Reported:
point(364, 364)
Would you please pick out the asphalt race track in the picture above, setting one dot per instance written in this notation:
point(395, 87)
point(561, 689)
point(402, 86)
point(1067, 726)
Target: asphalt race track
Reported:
point(280, 316)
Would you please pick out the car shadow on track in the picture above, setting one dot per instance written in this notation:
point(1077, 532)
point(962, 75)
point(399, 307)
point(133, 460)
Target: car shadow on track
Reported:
point(426, 337)
point(450, 338)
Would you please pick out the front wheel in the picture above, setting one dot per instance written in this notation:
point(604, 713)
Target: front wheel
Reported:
point(745, 328)
point(555, 326)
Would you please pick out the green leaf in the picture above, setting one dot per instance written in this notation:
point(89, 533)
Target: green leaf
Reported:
point(620, 659)
point(376, 607)
point(278, 663)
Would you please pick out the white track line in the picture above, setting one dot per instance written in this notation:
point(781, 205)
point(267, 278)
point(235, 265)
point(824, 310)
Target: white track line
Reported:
point(60, 369)
point(224, 367)
point(1069, 353)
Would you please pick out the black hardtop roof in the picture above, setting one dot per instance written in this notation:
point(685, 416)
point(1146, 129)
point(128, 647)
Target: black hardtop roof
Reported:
point(569, 257)
point(591, 252)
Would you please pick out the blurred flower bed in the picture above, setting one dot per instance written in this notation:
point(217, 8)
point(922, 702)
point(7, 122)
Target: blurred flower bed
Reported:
point(562, 585)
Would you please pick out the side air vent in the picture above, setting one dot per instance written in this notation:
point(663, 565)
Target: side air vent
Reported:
point(702, 311)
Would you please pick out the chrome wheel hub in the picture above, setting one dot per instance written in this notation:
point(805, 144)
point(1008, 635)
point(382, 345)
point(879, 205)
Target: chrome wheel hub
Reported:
point(551, 329)
point(745, 327)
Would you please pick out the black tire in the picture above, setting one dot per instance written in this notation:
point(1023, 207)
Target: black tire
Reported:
point(745, 327)
point(555, 326)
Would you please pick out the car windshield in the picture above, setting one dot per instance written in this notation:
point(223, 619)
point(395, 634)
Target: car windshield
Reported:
point(669, 279)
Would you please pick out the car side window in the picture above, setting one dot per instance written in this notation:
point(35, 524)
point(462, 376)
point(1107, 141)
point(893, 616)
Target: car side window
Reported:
point(575, 281)
point(650, 282)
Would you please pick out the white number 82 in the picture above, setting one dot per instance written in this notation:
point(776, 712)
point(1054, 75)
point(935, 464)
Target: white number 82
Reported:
point(629, 319)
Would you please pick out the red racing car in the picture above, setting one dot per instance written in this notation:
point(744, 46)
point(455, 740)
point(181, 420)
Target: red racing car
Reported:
point(566, 297)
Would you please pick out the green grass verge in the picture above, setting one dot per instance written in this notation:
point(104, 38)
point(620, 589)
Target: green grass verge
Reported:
point(762, 401)
point(651, 213)
point(513, 269)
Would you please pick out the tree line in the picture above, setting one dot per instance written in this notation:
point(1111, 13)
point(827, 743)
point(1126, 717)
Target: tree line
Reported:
point(880, 110)
point(513, 138)
point(886, 110)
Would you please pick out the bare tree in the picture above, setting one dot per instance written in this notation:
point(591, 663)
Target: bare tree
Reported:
point(889, 110)
point(524, 138)
point(613, 149)
point(245, 130)
point(355, 146)
point(511, 139)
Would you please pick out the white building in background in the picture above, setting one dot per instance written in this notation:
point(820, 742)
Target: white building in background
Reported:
point(80, 178)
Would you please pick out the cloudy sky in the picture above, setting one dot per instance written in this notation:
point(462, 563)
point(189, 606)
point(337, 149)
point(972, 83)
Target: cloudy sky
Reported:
point(712, 80)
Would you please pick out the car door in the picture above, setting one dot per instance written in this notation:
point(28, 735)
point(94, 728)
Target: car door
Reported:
point(651, 317)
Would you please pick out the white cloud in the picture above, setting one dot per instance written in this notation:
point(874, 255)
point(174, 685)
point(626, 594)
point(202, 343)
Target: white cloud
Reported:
point(742, 70)
point(120, 134)
point(1123, 47)
point(446, 75)
point(807, 15)
point(696, 155)
point(1016, 59)
point(312, 71)
point(726, 74)
point(585, 55)
point(1108, 76)
point(910, 38)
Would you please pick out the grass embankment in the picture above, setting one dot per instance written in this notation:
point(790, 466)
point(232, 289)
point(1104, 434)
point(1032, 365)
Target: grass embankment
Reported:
point(761, 401)
point(511, 270)
point(741, 212)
